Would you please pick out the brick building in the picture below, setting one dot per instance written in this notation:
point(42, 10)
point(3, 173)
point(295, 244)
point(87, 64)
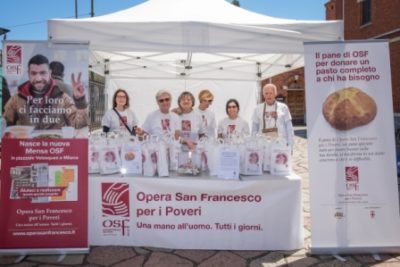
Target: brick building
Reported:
point(363, 19)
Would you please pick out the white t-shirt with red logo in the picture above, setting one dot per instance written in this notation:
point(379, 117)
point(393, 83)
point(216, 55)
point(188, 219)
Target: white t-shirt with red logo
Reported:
point(112, 120)
point(208, 119)
point(229, 126)
point(191, 125)
point(159, 124)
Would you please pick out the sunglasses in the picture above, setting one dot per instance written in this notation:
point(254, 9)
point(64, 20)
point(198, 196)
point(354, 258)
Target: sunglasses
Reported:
point(163, 100)
point(209, 101)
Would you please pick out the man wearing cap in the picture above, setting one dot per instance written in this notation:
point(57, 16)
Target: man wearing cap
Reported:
point(207, 116)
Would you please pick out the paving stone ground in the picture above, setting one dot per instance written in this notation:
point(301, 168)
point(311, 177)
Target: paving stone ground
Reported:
point(119, 256)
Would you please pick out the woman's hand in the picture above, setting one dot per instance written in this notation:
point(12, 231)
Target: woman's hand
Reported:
point(190, 144)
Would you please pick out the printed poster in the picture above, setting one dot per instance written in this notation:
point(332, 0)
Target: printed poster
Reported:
point(197, 213)
point(43, 194)
point(47, 86)
point(44, 174)
point(353, 181)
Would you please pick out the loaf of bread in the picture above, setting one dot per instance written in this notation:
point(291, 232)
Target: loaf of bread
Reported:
point(349, 108)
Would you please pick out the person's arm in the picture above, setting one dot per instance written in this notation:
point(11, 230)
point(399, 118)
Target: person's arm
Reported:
point(105, 122)
point(246, 128)
point(255, 125)
point(135, 122)
point(288, 127)
point(289, 132)
point(10, 111)
point(220, 129)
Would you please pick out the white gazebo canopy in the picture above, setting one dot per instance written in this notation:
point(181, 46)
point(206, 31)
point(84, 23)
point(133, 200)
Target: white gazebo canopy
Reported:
point(199, 39)
point(191, 45)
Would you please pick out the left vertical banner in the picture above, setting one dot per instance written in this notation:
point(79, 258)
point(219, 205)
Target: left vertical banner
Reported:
point(44, 172)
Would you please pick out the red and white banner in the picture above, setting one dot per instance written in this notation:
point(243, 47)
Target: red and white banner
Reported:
point(262, 213)
point(353, 182)
point(43, 194)
point(44, 172)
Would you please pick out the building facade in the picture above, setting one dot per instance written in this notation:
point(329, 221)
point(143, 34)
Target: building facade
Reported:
point(363, 20)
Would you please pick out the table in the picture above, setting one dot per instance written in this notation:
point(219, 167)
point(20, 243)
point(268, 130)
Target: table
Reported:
point(254, 213)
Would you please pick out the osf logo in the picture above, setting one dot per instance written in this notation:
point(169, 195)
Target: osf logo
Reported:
point(351, 174)
point(14, 54)
point(115, 199)
point(352, 178)
point(115, 204)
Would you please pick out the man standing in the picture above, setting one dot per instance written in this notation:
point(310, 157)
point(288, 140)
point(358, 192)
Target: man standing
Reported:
point(41, 103)
point(207, 116)
point(272, 118)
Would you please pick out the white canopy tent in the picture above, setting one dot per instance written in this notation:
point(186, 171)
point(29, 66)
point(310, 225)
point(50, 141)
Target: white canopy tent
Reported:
point(192, 42)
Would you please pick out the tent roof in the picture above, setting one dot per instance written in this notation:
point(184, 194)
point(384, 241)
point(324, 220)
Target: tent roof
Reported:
point(181, 38)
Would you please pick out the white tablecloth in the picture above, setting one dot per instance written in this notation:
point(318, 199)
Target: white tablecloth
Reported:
point(255, 213)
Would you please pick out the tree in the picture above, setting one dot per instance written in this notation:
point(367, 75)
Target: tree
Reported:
point(235, 2)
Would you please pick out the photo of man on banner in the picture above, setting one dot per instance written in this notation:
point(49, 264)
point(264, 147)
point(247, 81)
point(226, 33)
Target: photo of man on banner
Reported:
point(41, 103)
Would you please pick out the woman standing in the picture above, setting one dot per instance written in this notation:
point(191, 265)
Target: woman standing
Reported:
point(191, 126)
point(120, 118)
point(232, 124)
point(161, 121)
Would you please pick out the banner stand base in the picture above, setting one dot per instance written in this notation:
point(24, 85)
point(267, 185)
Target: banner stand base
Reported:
point(354, 250)
point(43, 251)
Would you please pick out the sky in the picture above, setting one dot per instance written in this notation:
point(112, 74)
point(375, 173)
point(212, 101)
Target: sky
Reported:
point(27, 19)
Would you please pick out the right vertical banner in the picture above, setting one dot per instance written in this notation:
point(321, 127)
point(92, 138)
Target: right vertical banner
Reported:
point(354, 197)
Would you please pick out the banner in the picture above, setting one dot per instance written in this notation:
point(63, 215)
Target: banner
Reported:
point(44, 174)
point(354, 197)
point(263, 213)
point(43, 194)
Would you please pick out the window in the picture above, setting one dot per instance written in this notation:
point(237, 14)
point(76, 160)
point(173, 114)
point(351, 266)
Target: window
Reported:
point(365, 11)
point(97, 100)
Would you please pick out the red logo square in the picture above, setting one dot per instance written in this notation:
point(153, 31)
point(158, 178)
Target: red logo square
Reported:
point(14, 54)
point(115, 199)
point(352, 174)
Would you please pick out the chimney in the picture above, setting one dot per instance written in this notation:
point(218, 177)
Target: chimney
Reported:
point(333, 10)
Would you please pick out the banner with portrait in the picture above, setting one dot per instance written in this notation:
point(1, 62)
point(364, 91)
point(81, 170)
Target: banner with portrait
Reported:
point(44, 174)
point(354, 196)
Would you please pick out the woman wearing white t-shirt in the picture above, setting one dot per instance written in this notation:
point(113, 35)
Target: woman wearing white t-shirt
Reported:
point(120, 118)
point(190, 123)
point(162, 122)
point(233, 124)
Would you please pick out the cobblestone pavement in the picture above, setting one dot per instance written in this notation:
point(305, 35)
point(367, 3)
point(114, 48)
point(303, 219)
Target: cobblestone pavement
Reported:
point(118, 256)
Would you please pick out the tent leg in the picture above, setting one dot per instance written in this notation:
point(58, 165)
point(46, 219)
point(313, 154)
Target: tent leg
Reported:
point(61, 257)
point(376, 257)
point(338, 257)
point(20, 258)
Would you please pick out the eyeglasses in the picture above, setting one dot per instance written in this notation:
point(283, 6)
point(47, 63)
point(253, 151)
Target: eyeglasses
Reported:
point(163, 100)
point(209, 101)
point(232, 106)
point(121, 96)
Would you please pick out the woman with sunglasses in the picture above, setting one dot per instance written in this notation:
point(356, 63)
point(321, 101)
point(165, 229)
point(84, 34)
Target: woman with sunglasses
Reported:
point(120, 118)
point(191, 126)
point(162, 122)
point(207, 116)
point(233, 124)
